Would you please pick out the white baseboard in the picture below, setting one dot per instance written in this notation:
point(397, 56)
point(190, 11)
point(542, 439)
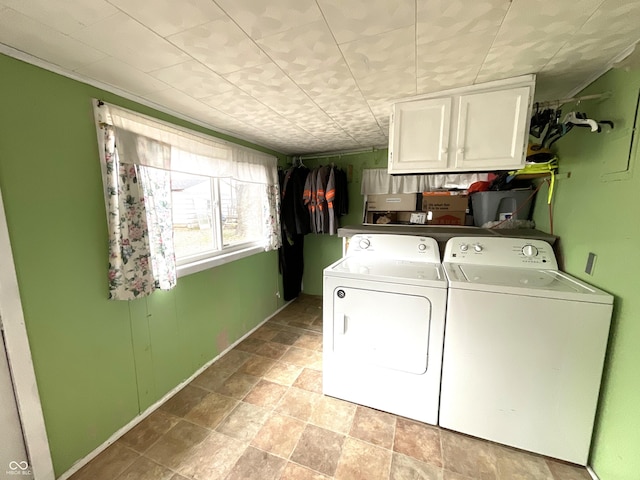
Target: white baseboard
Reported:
point(135, 421)
point(592, 473)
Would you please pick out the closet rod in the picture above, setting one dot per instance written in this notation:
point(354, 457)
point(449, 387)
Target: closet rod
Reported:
point(336, 154)
point(562, 101)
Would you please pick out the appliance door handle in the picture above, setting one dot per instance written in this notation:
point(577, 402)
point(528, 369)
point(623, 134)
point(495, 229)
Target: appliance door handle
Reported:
point(341, 323)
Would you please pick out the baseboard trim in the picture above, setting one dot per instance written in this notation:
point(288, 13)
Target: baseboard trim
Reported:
point(135, 421)
point(592, 473)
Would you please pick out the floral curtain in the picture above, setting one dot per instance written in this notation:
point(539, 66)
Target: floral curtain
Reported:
point(130, 273)
point(273, 236)
point(156, 187)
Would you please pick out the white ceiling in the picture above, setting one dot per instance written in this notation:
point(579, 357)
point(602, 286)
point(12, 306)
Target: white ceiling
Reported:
point(302, 76)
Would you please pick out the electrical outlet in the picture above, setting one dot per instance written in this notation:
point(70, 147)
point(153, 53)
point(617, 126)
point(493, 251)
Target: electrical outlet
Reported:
point(591, 263)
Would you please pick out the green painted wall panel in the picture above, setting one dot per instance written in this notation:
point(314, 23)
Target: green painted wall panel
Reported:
point(98, 363)
point(594, 213)
point(141, 345)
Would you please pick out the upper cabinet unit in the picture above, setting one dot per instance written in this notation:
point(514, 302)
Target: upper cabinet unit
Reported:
point(477, 128)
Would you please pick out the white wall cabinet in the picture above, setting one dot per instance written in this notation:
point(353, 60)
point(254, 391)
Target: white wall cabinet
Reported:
point(478, 128)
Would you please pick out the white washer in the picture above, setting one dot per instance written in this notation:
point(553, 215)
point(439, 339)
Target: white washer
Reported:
point(524, 347)
point(383, 322)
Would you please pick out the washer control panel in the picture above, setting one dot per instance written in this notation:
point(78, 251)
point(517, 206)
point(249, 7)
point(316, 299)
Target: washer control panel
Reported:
point(500, 251)
point(399, 247)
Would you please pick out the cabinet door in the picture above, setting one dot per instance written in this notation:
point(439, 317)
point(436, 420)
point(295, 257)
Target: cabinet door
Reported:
point(491, 130)
point(420, 135)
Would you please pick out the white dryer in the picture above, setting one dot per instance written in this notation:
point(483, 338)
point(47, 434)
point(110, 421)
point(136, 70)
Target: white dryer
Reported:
point(524, 347)
point(383, 322)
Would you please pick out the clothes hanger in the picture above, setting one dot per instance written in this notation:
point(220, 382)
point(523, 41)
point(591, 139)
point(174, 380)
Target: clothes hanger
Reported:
point(581, 120)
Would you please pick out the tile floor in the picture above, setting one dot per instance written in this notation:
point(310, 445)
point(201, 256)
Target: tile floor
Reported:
point(259, 413)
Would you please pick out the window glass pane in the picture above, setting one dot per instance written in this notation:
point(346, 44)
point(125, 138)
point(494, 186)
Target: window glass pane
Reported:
point(193, 220)
point(241, 209)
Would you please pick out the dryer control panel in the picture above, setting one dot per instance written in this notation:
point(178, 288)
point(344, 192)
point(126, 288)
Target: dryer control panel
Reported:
point(501, 252)
point(398, 247)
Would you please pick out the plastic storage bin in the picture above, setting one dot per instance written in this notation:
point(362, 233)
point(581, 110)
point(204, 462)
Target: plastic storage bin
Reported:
point(491, 206)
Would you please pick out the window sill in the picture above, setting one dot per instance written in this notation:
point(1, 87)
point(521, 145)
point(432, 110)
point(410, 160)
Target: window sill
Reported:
point(207, 263)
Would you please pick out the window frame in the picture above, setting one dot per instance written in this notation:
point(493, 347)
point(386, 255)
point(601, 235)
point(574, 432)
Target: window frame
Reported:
point(226, 253)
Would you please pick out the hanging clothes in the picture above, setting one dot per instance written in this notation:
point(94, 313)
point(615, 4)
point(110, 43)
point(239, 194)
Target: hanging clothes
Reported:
point(326, 186)
point(294, 216)
point(295, 225)
point(341, 202)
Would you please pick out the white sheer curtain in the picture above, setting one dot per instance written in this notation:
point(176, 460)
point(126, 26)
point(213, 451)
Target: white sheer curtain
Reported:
point(146, 141)
point(378, 181)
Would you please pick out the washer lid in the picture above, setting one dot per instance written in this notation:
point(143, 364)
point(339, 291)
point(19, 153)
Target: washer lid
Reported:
point(389, 270)
point(523, 281)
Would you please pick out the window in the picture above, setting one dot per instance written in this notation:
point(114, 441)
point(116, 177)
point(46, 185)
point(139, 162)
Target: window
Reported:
point(214, 215)
point(179, 201)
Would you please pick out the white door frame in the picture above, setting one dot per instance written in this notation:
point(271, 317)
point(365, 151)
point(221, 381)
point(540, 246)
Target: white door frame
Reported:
point(20, 362)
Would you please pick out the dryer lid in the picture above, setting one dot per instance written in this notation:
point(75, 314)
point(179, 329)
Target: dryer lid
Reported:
point(523, 281)
point(389, 270)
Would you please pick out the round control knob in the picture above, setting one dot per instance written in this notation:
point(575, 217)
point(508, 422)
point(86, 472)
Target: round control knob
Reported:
point(529, 251)
point(464, 247)
point(477, 247)
point(422, 247)
point(364, 243)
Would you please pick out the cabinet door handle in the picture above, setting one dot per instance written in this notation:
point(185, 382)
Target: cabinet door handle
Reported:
point(444, 150)
point(461, 151)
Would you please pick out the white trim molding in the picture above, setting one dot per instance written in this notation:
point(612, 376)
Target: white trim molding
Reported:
point(20, 362)
point(592, 473)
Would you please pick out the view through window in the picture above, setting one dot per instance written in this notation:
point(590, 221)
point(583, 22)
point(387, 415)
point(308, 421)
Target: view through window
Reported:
point(214, 214)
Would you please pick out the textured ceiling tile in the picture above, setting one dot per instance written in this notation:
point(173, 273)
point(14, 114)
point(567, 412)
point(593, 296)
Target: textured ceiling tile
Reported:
point(381, 109)
point(609, 31)
point(221, 45)
point(66, 16)
point(125, 39)
point(332, 89)
point(362, 18)
point(114, 72)
point(361, 120)
point(443, 19)
point(441, 80)
point(613, 17)
point(179, 102)
point(25, 34)
point(260, 19)
point(450, 55)
point(384, 65)
point(244, 107)
point(165, 19)
point(559, 86)
point(308, 48)
point(193, 78)
point(268, 84)
point(532, 33)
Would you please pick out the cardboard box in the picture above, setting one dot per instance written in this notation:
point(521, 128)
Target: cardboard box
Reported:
point(448, 218)
point(401, 202)
point(445, 202)
point(447, 208)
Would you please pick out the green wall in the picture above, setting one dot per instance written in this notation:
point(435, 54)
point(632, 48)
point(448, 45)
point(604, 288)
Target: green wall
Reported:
point(322, 250)
point(597, 210)
point(98, 363)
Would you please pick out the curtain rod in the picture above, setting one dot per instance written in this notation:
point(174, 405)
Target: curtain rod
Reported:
point(336, 154)
point(562, 101)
